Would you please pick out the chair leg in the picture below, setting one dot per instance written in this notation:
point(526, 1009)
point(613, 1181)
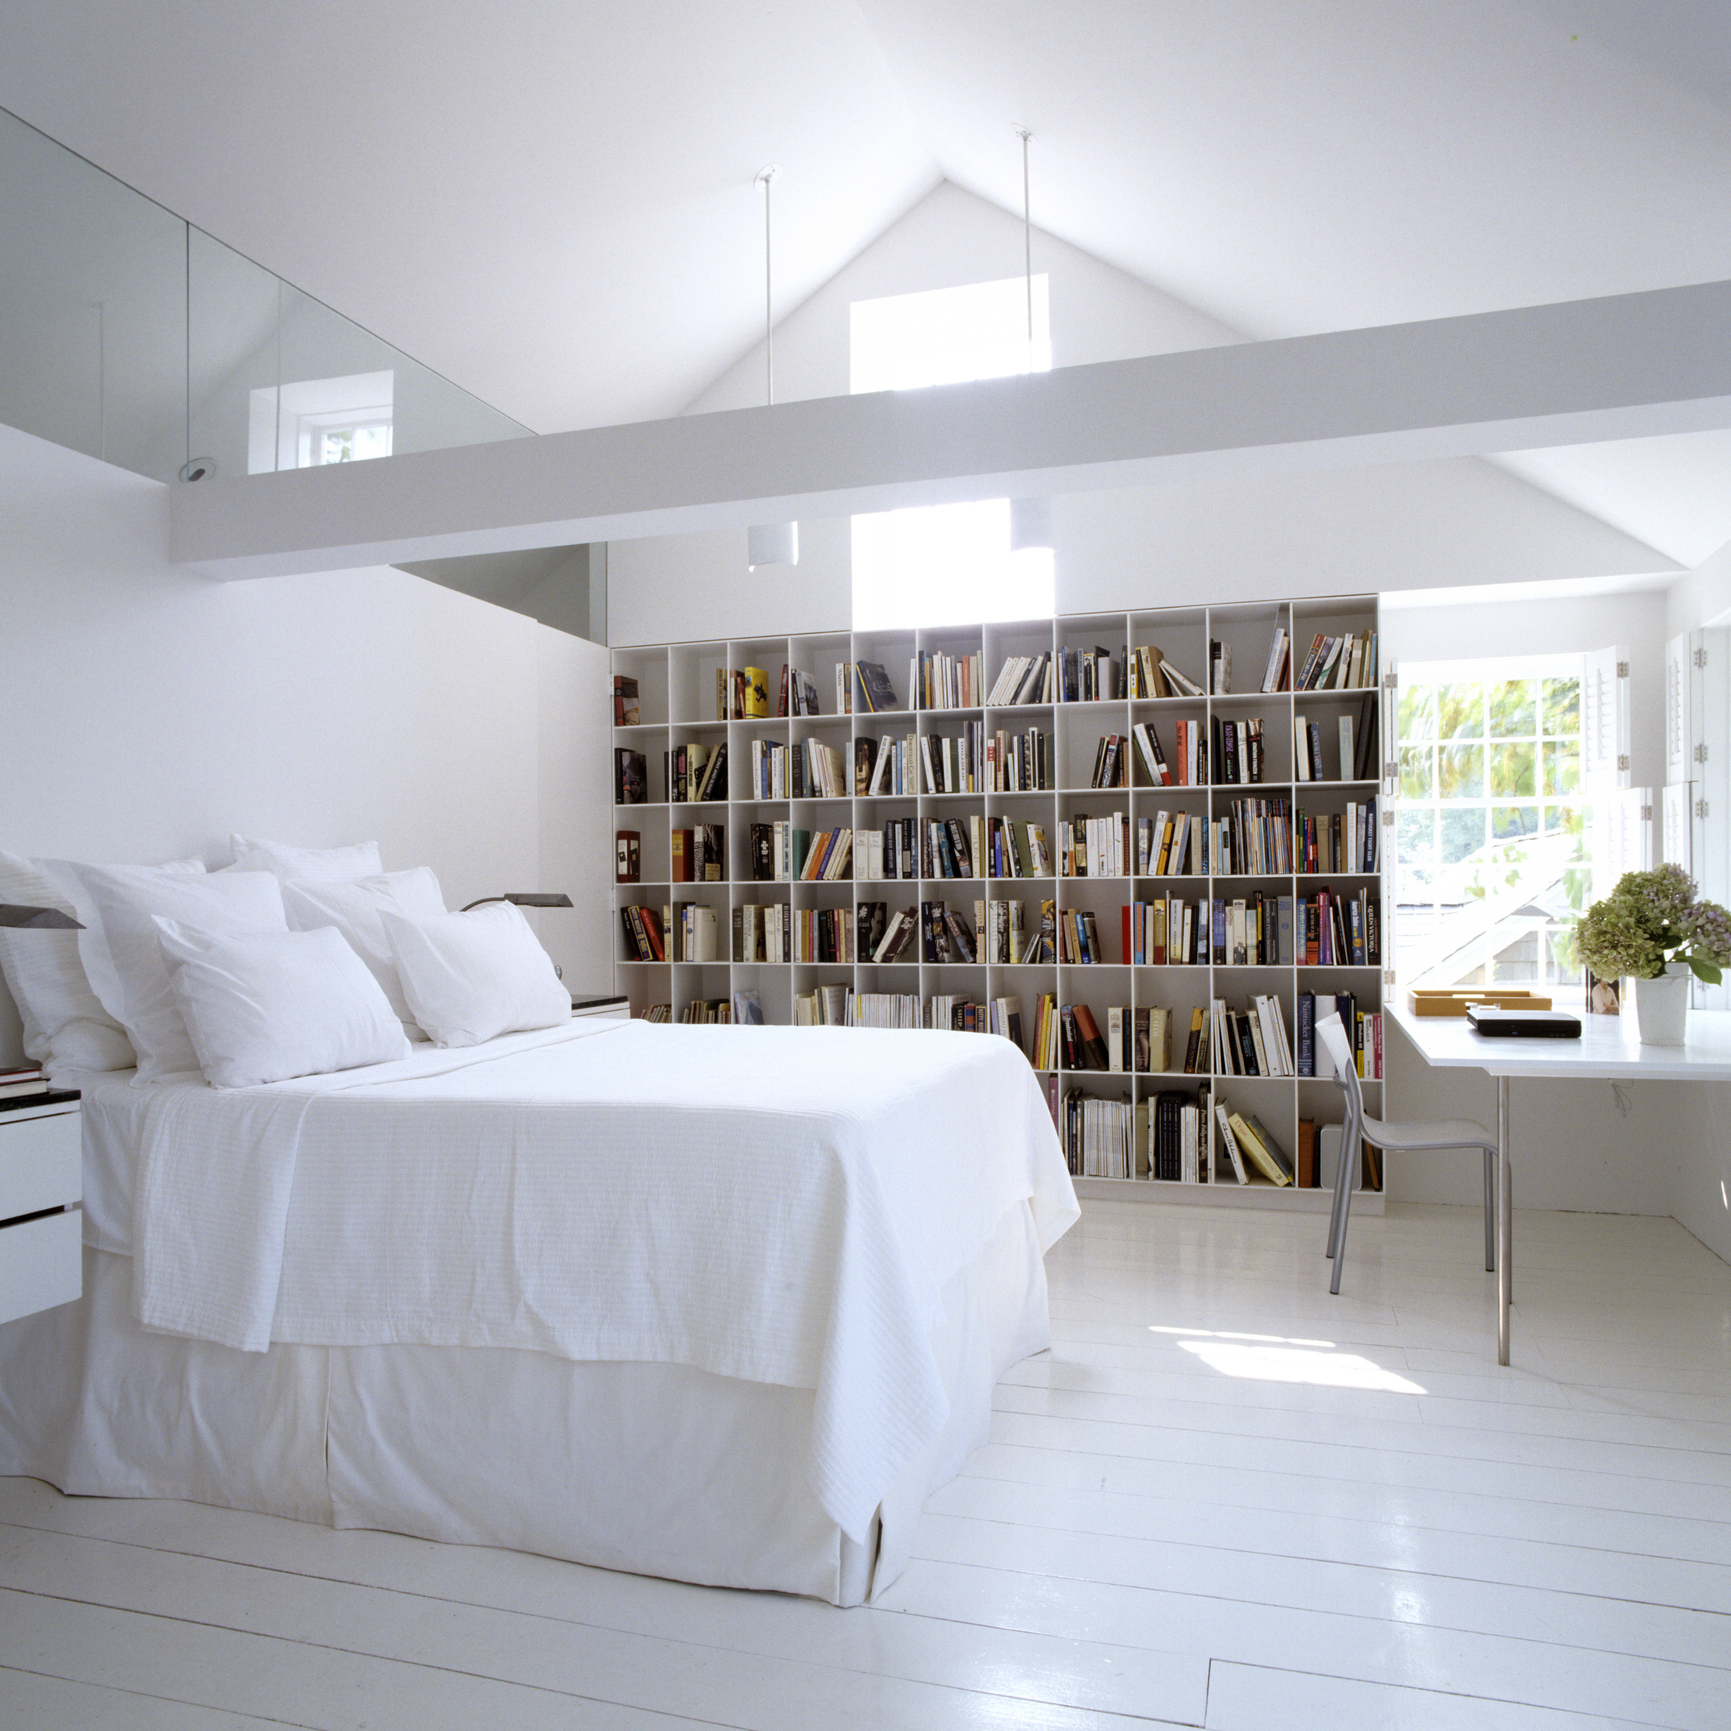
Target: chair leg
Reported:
point(1343, 1203)
point(1334, 1207)
point(1490, 1211)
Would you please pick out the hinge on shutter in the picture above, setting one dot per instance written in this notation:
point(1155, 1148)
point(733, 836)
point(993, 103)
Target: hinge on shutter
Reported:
point(1700, 808)
point(1646, 814)
point(1701, 754)
point(1623, 760)
point(1388, 976)
point(1700, 657)
point(1390, 769)
point(1387, 817)
point(1622, 670)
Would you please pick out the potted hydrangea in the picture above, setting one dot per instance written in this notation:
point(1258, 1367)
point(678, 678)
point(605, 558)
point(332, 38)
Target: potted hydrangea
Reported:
point(1652, 926)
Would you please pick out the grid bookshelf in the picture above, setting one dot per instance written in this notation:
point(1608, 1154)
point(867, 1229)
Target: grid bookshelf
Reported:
point(677, 707)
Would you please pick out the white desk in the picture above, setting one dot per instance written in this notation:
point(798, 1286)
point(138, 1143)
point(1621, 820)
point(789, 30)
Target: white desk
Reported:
point(1606, 1051)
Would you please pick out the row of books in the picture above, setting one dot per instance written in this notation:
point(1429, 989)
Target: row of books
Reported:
point(1340, 841)
point(941, 681)
point(1251, 1041)
point(807, 769)
point(1097, 1135)
point(1355, 756)
point(865, 686)
point(1094, 847)
point(1254, 838)
point(1364, 1027)
point(693, 772)
point(1152, 675)
point(698, 855)
point(1339, 663)
point(1111, 762)
point(1340, 931)
point(741, 694)
point(1165, 932)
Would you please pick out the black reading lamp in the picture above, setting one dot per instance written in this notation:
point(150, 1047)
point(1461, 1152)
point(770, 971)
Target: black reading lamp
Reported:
point(19, 914)
point(525, 899)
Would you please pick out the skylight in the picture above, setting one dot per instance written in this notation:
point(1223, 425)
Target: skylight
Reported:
point(947, 564)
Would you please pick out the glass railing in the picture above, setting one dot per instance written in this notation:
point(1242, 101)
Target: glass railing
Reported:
point(129, 334)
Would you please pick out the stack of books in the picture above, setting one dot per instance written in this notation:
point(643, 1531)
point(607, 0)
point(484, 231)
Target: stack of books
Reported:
point(26, 1085)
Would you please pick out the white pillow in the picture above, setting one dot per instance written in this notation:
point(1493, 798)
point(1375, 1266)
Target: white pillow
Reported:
point(129, 901)
point(468, 977)
point(306, 865)
point(64, 1023)
point(264, 1006)
point(356, 911)
point(93, 952)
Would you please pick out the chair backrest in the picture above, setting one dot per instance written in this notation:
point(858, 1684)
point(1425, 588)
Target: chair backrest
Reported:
point(1332, 1033)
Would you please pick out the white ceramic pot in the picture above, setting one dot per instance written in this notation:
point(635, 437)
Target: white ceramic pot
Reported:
point(1662, 1008)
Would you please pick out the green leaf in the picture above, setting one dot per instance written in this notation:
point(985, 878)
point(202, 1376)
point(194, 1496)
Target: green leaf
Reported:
point(1704, 970)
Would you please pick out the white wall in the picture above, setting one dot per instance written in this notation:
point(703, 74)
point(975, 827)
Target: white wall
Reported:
point(1701, 1178)
point(1326, 532)
point(147, 712)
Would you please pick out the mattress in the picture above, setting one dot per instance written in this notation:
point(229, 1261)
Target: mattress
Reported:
point(788, 1263)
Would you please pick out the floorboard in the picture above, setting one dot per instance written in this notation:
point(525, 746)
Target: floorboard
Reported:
point(1224, 1499)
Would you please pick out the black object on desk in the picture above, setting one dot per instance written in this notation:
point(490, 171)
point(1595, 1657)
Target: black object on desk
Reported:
point(1495, 1023)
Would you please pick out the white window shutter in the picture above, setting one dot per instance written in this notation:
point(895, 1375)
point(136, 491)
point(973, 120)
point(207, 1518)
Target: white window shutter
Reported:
point(1676, 815)
point(1623, 822)
point(1677, 714)
point(1605, 719)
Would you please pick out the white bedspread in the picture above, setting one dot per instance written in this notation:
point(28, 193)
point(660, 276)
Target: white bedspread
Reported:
point(780, 1205)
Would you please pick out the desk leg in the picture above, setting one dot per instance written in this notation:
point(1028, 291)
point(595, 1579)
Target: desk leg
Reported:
point(1505, 1220)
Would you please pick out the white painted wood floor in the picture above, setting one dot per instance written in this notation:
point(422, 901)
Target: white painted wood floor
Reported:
point(1223, 1499)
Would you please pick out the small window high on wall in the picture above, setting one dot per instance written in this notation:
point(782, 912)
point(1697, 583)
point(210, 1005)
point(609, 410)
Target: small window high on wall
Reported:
point(947, 564)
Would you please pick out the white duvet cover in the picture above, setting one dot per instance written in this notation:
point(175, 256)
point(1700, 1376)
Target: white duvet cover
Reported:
point(778, 1205)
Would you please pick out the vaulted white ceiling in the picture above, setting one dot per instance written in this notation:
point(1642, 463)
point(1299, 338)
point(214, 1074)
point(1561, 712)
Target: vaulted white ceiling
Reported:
point(551, 202)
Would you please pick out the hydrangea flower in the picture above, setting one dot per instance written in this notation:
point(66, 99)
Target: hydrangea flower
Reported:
point(1652, 918)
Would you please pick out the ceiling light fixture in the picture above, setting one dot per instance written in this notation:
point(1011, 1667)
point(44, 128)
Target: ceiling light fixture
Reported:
point(769, 543)
point(1030, 519)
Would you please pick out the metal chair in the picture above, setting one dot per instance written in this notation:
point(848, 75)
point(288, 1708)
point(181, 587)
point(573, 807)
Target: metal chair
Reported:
point(1395, 1138)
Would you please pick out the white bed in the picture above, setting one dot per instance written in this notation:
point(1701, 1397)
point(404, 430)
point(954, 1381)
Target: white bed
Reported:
point(723, 1304)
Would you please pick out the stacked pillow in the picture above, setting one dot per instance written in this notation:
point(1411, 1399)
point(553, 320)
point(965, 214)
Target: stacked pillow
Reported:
point(358, 910)
point(289, 962)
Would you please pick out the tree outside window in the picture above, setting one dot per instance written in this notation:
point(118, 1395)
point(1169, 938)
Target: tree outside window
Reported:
point(1491, 826)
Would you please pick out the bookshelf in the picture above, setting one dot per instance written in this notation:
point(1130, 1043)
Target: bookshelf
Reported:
point(677, 708)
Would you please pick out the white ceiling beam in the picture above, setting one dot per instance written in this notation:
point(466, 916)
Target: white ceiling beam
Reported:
point(1625, 366)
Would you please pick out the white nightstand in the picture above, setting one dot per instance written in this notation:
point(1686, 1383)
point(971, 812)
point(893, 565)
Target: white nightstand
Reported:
point(608, 1007)
point(41, 1221)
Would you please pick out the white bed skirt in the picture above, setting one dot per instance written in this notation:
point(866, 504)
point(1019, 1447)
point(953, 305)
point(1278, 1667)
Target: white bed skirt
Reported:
point(659, 1469)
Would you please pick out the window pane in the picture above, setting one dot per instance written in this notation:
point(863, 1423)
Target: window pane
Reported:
point(1562, 705)
point(1513, 708)
point(1416, 845)
point(1519, 954)
point(1418, 772)
point(1571, 822)
point(1463, 832)
point(1512, 770)
point(1460, 711)
point(1418, 712)
point(1562, 766)
point(1461, 771)
point(1512, 822)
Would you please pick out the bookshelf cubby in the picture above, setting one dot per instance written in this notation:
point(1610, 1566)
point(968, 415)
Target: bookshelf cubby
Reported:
point(677, 707)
